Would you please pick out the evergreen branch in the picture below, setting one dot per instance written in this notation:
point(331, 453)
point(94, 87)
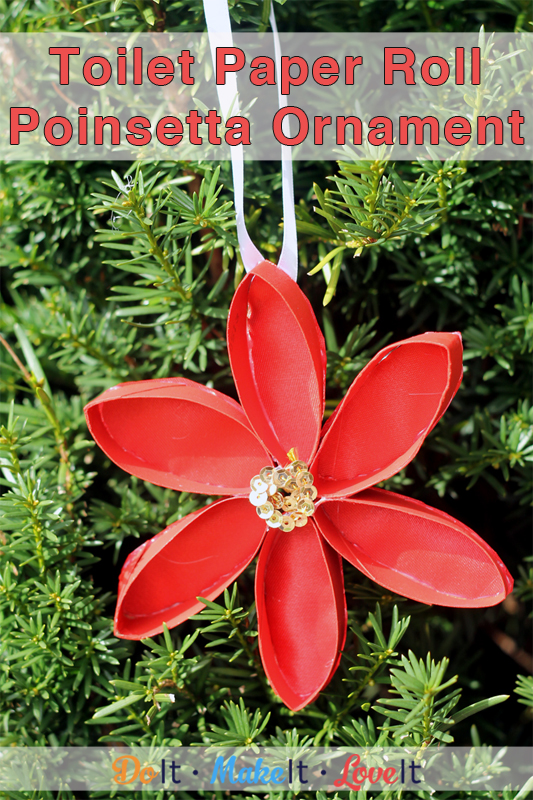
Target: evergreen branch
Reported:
point(65, 474)
point(375, 655)
point(233, 617)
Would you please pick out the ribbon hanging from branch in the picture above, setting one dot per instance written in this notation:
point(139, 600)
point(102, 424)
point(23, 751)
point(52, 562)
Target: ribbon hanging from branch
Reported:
point(220, 35)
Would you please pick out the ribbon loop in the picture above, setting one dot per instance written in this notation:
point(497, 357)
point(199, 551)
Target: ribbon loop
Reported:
point(220, 35)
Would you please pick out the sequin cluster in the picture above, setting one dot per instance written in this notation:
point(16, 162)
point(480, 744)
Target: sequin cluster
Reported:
point(283, 496)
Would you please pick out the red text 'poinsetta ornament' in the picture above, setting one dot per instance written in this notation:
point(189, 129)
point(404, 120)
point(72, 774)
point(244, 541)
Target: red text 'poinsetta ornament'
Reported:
point(300, 494)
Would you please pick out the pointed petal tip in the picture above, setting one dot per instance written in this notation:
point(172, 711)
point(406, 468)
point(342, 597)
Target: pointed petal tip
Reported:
point(415, 550)
point(301, 612)
point(296, 704)
point(194, 557)
point(509, 581)
point(121, 630)
point(387, 412)
point(179, 434)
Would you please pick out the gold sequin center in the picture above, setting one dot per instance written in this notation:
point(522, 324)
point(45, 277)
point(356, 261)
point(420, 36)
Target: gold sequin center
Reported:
point(283, 496)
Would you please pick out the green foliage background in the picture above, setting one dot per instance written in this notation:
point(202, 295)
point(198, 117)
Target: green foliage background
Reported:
point(111, 274)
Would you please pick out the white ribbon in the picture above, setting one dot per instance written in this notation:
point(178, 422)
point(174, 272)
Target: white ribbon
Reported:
point(219, 32)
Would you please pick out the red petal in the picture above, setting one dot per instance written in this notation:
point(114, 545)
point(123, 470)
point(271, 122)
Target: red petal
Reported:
point(414, 550)
point(199, 556)
point(301, 613)
point(278, 360)
point(387, 412)
point(179, 434)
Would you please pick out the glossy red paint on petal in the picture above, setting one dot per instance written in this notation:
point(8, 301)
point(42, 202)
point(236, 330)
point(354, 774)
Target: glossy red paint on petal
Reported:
point(199, 556)
point(301, 613)
point(414, 550)
point(179, 434)
point(387, 412)
point(278, 360)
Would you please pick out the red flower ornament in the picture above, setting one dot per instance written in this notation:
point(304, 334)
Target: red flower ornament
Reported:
point(182, 435)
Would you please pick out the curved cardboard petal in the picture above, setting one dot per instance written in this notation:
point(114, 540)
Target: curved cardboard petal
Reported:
point(387, 412)
point(301, 613)
point(179, 434)
point(278, 360)
point(199, 556)
point(414, 550)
